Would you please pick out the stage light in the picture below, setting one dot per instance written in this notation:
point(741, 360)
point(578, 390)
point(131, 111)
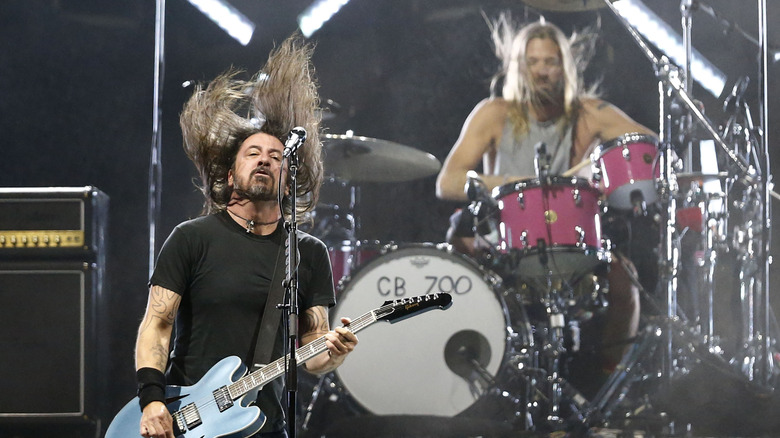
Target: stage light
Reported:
point(230, 19)
point(660, 34)
point(317, 14)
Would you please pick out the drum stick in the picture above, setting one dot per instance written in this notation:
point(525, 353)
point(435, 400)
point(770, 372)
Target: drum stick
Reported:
point(577, 167)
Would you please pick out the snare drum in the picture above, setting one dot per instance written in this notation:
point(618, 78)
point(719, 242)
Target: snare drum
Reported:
point(625, 169)
point(420, 366)
point(554, 227)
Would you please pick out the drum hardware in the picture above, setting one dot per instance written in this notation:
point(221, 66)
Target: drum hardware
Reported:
point(541, 163)
point(638, 204)
point(552, 351)
point(749, 228)
point(703, 215)
point(325, 386)
point(673, 338)
point(337, 220)
point(553, 402)
point(628, 372)
point(631, 394)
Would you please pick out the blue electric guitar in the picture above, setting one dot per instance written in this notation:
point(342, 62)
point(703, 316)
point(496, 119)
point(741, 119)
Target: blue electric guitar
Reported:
point(219, 405)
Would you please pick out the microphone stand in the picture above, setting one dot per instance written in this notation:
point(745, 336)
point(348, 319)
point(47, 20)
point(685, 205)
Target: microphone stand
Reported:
point(291, 291)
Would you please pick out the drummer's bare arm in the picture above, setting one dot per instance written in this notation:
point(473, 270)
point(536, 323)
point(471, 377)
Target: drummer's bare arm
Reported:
point(480, 133)
point(599, 121)
point(607, 122)
point(340, 341)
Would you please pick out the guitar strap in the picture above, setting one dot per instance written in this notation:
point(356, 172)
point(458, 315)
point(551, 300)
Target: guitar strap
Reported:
point(269, 324)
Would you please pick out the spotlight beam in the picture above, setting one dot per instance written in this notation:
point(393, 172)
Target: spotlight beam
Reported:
point(317, 14)
point(228, 18)
point(655, 30)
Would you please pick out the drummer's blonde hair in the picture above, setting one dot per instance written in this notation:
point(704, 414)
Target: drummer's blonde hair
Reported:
point(510, 41)
point(217, 119)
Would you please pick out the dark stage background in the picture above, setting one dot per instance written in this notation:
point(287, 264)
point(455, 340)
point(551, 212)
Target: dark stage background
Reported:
point(76, 102)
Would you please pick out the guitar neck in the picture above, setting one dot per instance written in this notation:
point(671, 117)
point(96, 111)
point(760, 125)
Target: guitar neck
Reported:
point(276, 368)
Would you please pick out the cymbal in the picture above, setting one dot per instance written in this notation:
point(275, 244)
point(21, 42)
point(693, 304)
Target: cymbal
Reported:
point(364, 159)
point(687, 178)
point(566, 5)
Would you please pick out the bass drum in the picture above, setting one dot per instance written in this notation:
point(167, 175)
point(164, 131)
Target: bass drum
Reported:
point(424, 365)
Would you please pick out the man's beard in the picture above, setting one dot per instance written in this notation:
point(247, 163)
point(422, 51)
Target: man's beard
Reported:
point(551, 95)
point(255, 190)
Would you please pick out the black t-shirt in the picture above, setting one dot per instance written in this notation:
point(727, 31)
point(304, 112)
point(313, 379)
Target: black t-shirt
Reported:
point(223, 275)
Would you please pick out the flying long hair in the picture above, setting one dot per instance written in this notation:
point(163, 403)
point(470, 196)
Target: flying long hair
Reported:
point(510, 40)
point(218, 118)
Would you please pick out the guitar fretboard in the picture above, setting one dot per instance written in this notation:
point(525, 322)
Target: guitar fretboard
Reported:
point(276, 368)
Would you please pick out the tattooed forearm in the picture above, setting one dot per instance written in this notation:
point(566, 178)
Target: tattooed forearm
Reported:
point(155, 331)
point(160, 354)
point(315, 321)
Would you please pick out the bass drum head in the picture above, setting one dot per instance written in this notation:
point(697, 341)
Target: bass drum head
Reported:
point(420, 365)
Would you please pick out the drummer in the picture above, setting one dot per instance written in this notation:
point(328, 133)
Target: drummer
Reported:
point(543, 100)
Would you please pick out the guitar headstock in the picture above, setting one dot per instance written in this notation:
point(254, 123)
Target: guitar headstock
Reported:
point(397, 310)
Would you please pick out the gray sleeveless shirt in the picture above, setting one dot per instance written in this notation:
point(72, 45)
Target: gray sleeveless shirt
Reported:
point(516, 156)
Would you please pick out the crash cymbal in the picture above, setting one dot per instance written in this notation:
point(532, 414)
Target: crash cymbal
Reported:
point(364, 159)
point(565, 5)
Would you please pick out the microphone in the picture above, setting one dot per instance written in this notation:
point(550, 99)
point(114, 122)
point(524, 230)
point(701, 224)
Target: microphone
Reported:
point(733, 101)
point(295, 139)
point(541, 162)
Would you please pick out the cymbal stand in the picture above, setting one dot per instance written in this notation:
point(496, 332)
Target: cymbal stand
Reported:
point(354, 219)
point(686, 7)
point(707, 278)
point(747, 235)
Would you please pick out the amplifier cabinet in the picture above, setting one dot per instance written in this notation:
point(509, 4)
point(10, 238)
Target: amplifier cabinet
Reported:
point(52, 222)
point(49, 339)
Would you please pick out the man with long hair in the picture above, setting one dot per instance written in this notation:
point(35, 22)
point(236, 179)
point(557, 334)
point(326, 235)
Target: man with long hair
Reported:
point(543, 100)
point(214, 273)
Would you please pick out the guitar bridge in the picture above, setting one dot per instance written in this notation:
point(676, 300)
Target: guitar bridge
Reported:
point(187, 418)
point(222, 397)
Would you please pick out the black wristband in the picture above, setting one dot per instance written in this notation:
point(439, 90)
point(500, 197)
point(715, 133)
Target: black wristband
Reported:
point(151, 386)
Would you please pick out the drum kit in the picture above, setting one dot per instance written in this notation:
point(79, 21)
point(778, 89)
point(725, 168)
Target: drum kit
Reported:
point(499, 360)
